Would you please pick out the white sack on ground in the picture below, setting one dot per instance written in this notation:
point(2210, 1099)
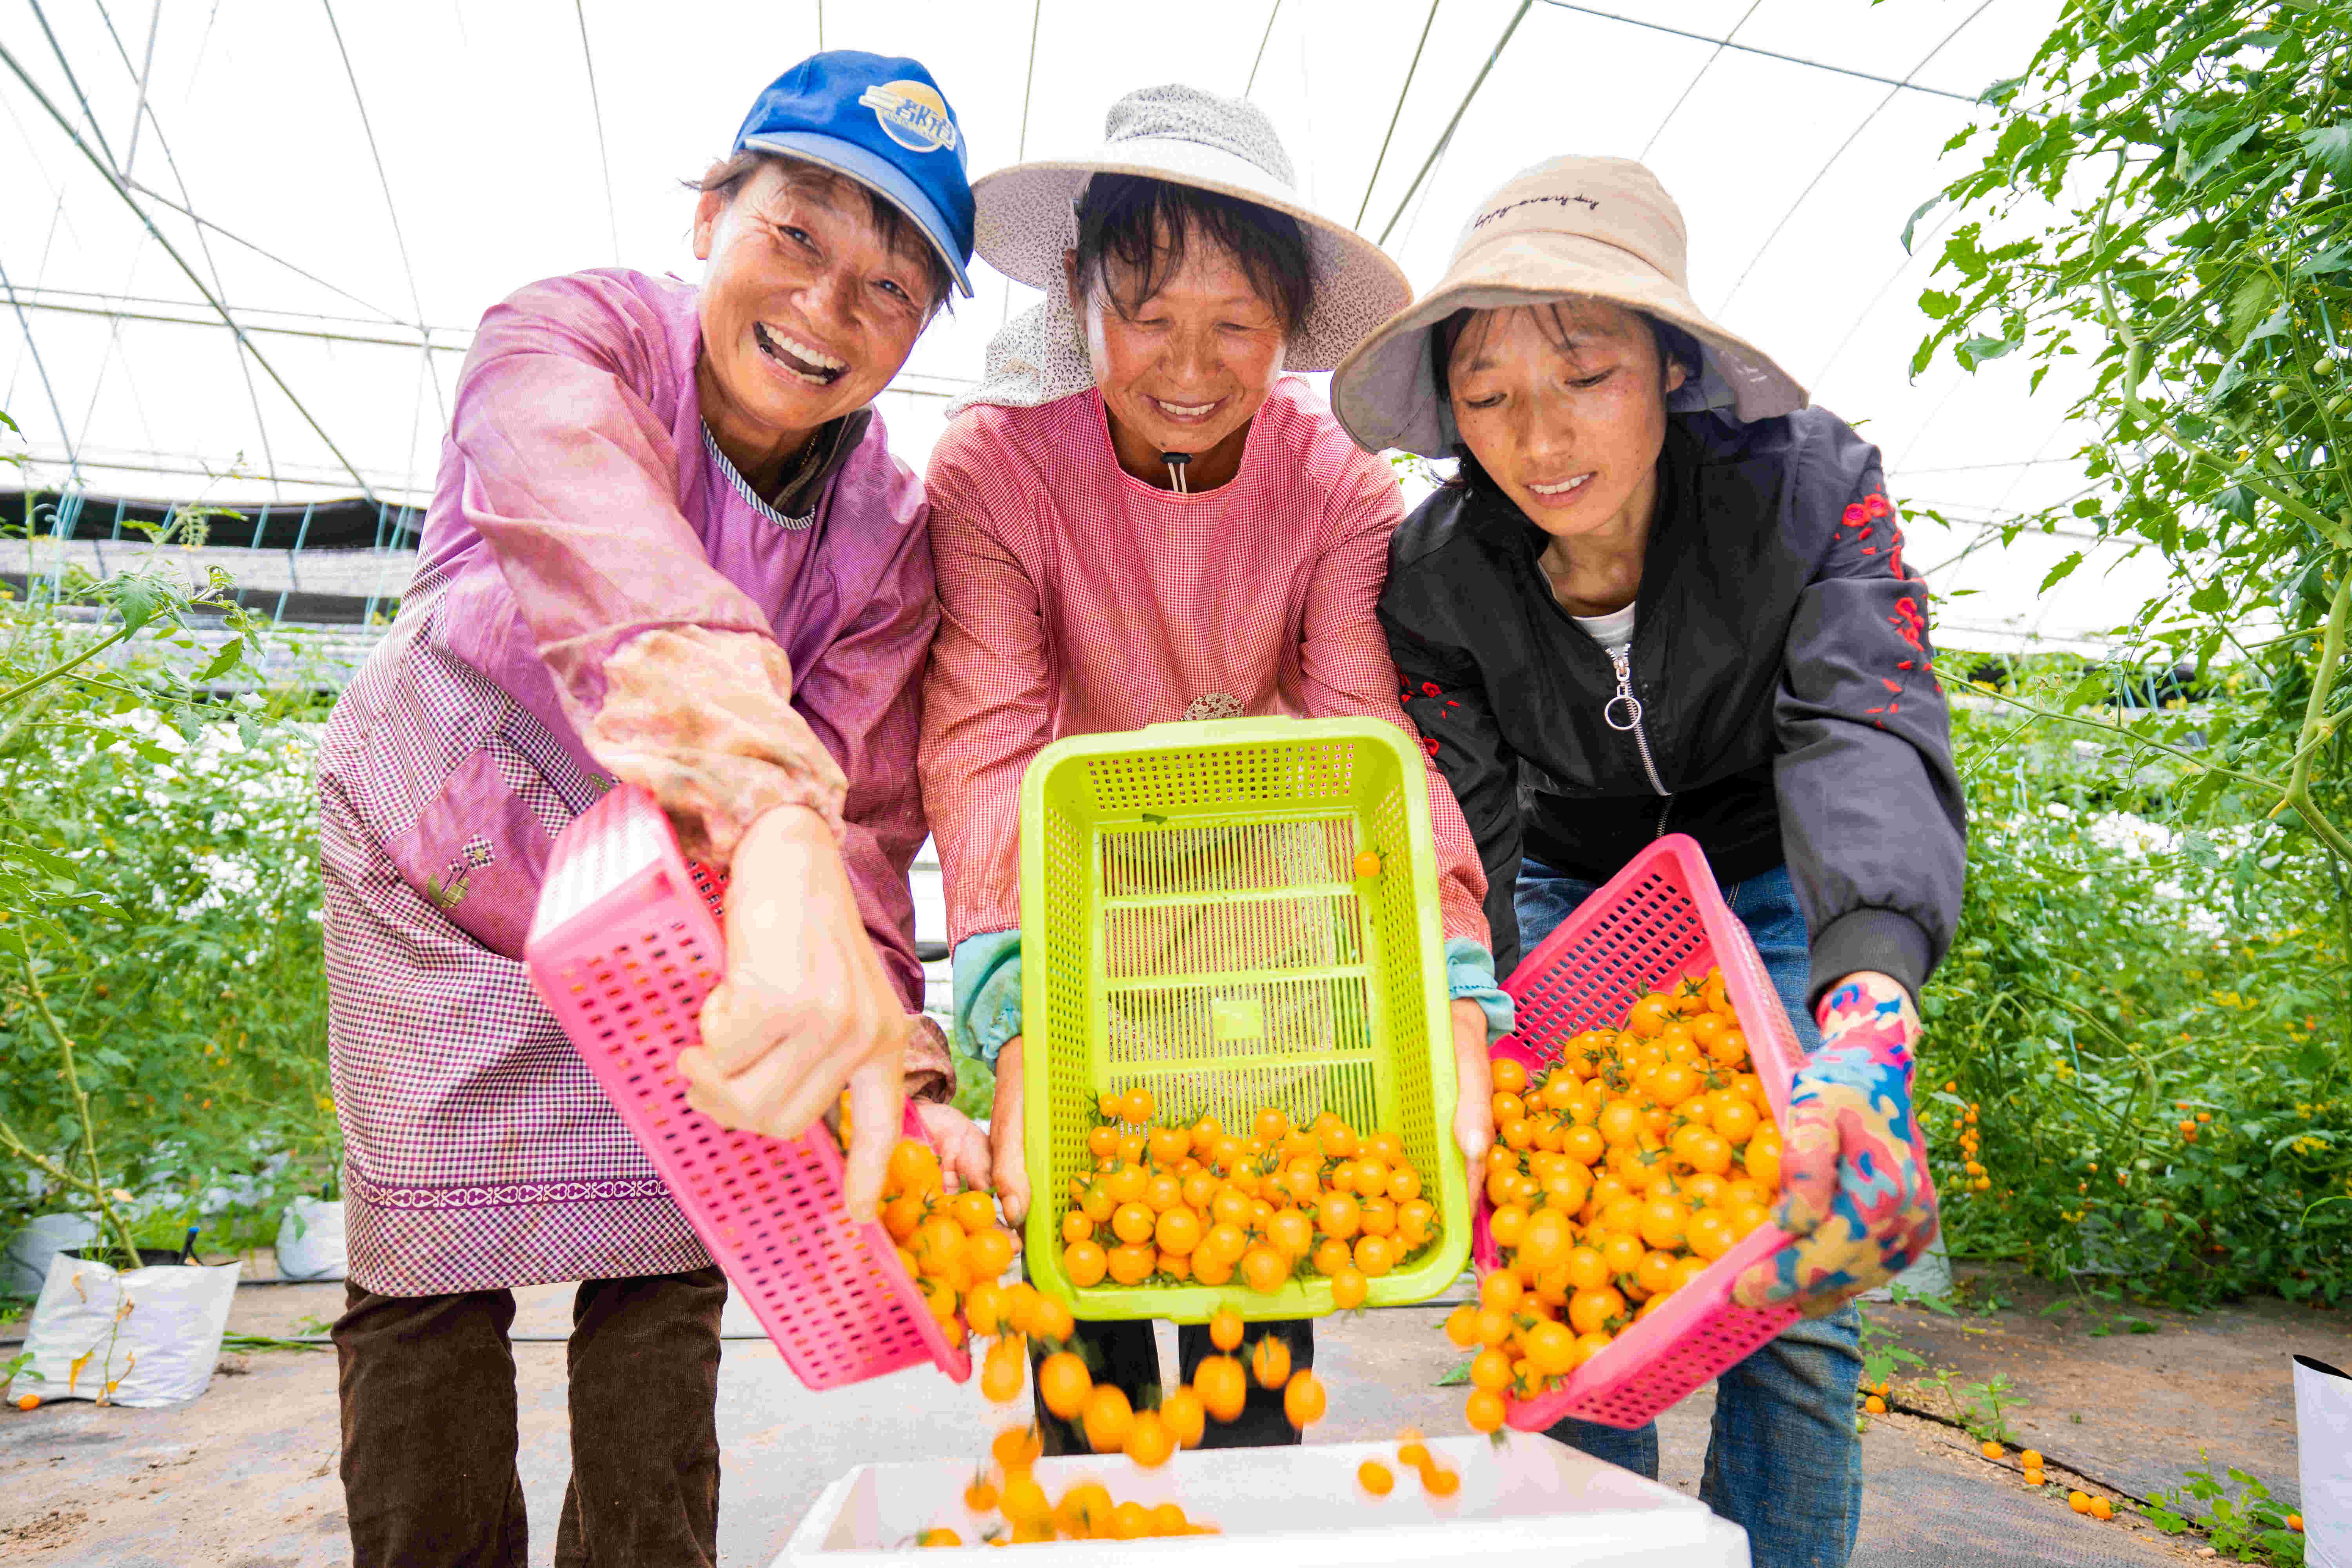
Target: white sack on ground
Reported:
point(25, 1267)
point(150, 1336)
point(2323, 1437)
point(311, 1240)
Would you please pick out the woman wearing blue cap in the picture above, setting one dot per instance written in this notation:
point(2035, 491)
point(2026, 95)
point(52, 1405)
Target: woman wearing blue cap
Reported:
point(668, 544)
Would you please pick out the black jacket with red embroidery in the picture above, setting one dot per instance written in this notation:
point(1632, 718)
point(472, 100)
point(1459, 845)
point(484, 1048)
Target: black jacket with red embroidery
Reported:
point(1788, 711)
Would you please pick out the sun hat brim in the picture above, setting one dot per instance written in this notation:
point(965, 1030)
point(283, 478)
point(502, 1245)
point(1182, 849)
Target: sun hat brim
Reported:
point(1385, 391)
point(1026, 220)
point(876, 175)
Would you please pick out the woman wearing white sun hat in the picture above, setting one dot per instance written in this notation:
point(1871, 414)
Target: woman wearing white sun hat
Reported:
point(1663, 595)
point(1138, 518)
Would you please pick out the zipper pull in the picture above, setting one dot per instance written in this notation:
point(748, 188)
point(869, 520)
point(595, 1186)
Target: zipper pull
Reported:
point(1633, 704)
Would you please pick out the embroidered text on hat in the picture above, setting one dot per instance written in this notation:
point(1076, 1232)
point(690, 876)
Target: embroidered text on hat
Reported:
point(912, 114)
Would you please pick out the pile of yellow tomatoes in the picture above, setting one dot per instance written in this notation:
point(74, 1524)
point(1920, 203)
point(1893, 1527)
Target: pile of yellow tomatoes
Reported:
point(952, 1246)
point(1621, 1173)
point(1265, 1204)
point(1007, 1482)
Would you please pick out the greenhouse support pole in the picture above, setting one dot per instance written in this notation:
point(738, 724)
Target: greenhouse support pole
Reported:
point(367, 615)
point(63, 521)
point(278, 618)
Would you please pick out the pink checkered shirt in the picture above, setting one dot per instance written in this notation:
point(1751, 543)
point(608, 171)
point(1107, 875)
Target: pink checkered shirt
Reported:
point(592, 572)
point(1076, 599)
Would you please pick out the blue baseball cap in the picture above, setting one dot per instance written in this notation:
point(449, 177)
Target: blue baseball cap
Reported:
point(881, 120)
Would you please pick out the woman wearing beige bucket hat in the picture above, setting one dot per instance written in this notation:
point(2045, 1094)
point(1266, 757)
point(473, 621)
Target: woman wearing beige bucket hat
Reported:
point(1138, 518)
point(1663, 595)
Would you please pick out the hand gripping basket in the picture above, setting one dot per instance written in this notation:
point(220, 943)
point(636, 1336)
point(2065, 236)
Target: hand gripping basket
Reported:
point(1192, 924)
point(1659, 920)
point(623, 948)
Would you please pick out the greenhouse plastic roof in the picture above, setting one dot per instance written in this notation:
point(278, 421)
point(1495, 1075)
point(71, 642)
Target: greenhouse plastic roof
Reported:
point(356, 183)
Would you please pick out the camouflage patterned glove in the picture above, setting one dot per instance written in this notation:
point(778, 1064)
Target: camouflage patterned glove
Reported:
point(1854, 1164)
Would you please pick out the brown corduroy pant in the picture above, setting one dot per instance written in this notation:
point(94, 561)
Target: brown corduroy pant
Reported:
point(428, 1415)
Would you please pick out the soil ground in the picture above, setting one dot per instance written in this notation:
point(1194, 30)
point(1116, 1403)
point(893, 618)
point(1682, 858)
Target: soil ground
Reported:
point(245, 1476)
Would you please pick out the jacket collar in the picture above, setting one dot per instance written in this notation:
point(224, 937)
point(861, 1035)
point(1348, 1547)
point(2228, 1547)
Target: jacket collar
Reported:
point(822, 458)
point(794, 504)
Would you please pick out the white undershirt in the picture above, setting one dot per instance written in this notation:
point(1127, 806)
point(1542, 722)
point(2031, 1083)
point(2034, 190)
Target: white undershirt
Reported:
point(1614, 631)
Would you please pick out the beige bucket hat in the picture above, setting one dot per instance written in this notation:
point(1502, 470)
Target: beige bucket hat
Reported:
point(1027, 214)
point(1602, 228)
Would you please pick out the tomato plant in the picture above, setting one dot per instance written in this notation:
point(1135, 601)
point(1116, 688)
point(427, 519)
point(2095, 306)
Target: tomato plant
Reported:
point(162, 1003)
point(2115, 979)
point(2164, 194)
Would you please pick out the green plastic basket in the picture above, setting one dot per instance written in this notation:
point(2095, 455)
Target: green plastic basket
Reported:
point(1192, 923)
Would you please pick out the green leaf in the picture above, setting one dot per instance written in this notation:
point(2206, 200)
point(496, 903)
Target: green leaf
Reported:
point(2335, 258)
point(2195, 168)
point(2249, 304)
point(1937, 304)
point(2001, 91)
point(231, 654)
point(56, 865)
point(1459, 1376)
point(2329, 147)
point(2093, 688)
point(1975, 351)
point(2279, 322)
point(1912, 223)
point(137, 599)
point(2061, 572)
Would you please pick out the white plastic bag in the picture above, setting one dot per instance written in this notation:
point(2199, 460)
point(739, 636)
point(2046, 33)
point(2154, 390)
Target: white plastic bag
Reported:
point(311, 1240)
point(25, 1268)
point(150, 1336)
point(2322, 1439)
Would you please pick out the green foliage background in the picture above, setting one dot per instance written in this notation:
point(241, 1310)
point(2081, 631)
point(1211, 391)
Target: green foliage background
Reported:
point(162, 1052)
point(2113, 979)
point(194, 989)
point(2163, 197)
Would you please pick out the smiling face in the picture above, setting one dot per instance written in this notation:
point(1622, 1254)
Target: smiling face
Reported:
point(1186, 369)
point(1565, 407)
point(808, 309)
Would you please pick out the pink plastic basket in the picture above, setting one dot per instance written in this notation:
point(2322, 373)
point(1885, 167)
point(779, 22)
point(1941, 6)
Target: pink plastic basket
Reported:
point(1658, 921)
point(623, 948)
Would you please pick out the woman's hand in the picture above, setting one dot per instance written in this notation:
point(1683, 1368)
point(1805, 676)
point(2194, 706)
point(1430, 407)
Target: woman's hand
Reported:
point(1004, 1136)
point(1854, 1163)
point(806, 1007)
point(961, 1146)
point(1474, 1101)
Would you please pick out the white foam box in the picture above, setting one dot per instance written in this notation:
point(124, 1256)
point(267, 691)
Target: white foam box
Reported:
point(1531, 1503)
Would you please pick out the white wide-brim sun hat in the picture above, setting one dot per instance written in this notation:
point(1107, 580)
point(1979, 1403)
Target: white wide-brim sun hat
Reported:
point(1594, 228)
point(1028, 214)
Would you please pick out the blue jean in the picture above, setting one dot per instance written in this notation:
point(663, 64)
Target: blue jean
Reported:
point(1783, 1461)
